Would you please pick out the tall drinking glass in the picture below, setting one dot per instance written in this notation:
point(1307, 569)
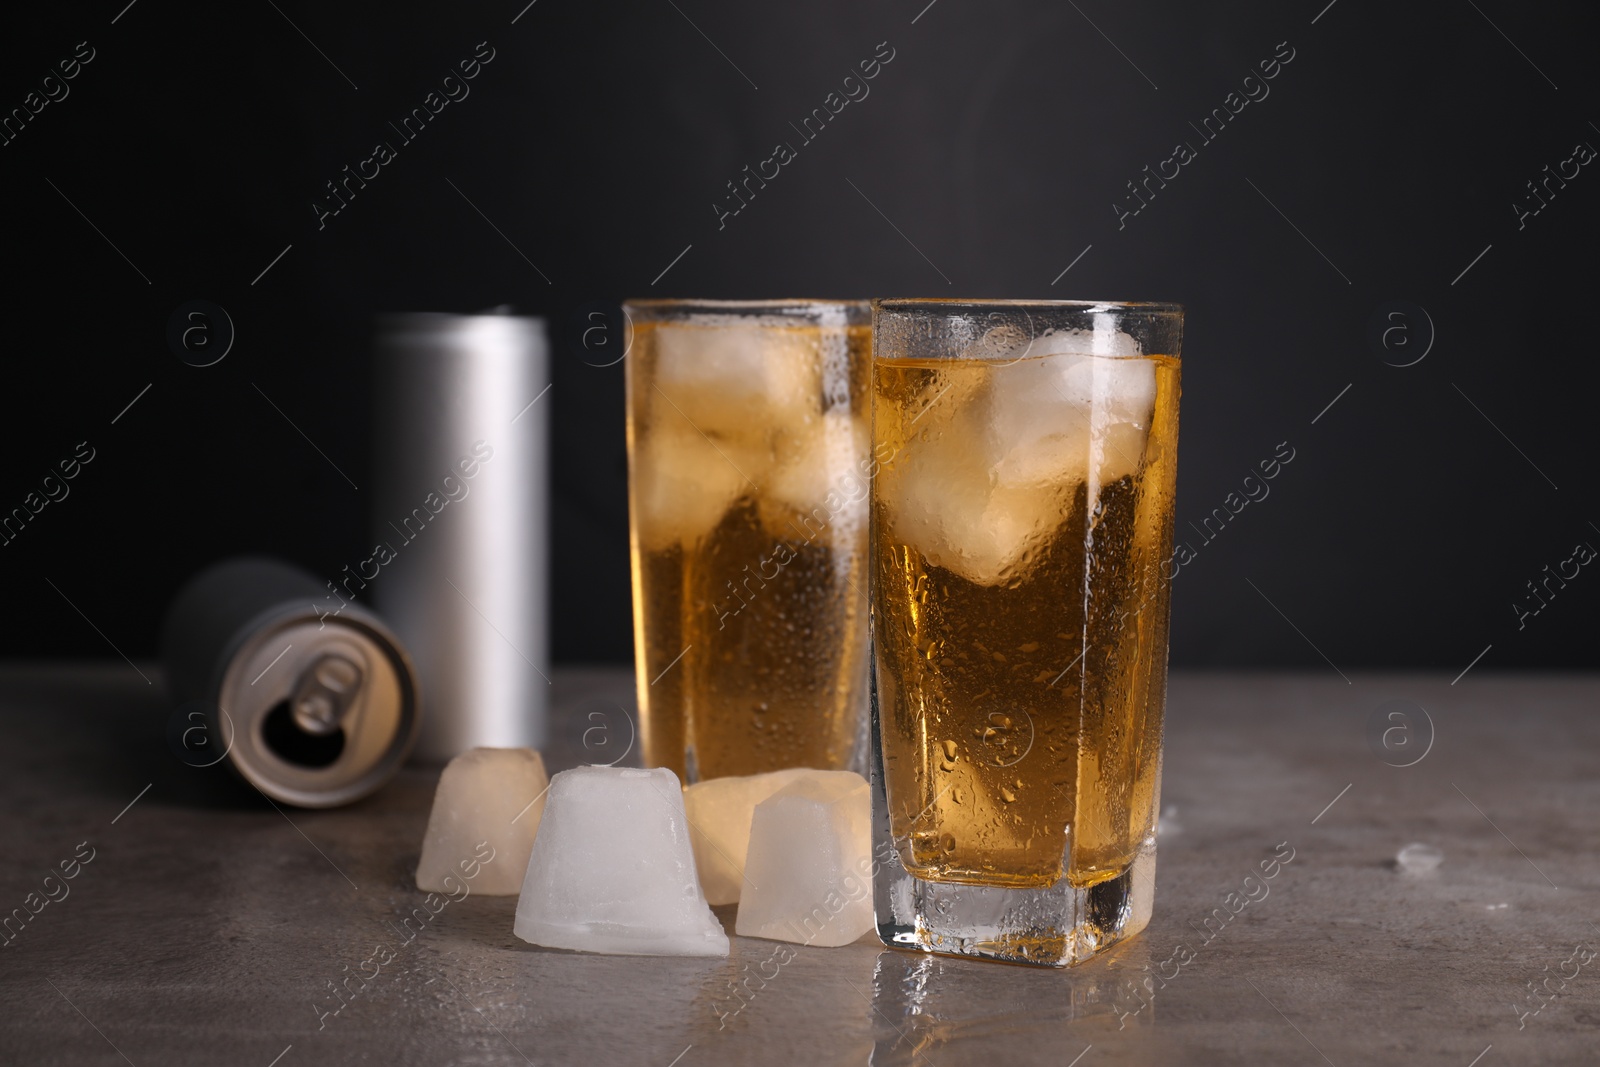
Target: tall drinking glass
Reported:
point(1021, 542)
point(748, 478)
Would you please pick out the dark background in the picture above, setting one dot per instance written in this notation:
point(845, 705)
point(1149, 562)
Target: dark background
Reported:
point(997, 139)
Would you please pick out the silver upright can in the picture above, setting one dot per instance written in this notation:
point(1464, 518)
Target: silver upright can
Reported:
point(460, 521)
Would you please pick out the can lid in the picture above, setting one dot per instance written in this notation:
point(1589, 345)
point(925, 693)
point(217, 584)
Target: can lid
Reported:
point(439, 329)
point(318, 713)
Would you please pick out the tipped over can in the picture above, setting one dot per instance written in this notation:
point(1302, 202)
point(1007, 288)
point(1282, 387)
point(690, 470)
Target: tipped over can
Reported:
point(313, 708)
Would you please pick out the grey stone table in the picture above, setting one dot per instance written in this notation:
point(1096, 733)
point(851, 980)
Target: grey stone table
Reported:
point(208, 928)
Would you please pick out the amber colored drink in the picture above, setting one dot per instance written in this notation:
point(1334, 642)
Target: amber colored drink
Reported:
point(749, 474)
point(1020, 535)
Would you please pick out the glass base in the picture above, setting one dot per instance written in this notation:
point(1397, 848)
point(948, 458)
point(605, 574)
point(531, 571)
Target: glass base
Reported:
point(1058, 926)
point(1061, 925)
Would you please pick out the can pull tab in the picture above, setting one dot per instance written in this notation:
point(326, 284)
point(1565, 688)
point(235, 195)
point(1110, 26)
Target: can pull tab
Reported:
point(325, 693)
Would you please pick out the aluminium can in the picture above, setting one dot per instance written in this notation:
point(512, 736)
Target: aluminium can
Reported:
point(459, 520)
point(312, 707)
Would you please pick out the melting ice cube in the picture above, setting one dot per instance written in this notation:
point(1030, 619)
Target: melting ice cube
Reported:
point(684, 482)
point(733, 374)
point(612, 870)
point(808, 875)
point(959, 520)
point(817, 485)
point(719, 811)
point(1167, 824)
point(1067, 410)
point(942, 493)
point(486, 794)
point(985, 482)
point(1417, 858)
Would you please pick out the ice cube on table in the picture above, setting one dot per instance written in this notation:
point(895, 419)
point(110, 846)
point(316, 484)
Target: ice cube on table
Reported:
point(1167, 824)
point(719, 811)
point(612, 870)
point(1417, 858)
point(729, 374)
point(808, 874)
point(485, 794)
point(684, 482)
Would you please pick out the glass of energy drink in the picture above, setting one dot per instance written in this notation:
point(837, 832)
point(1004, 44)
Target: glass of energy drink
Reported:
point(749, 469)
point(1021, 538)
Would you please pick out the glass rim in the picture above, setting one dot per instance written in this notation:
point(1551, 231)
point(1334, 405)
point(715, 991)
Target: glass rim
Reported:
point(1156, 307)
point(691, 303)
